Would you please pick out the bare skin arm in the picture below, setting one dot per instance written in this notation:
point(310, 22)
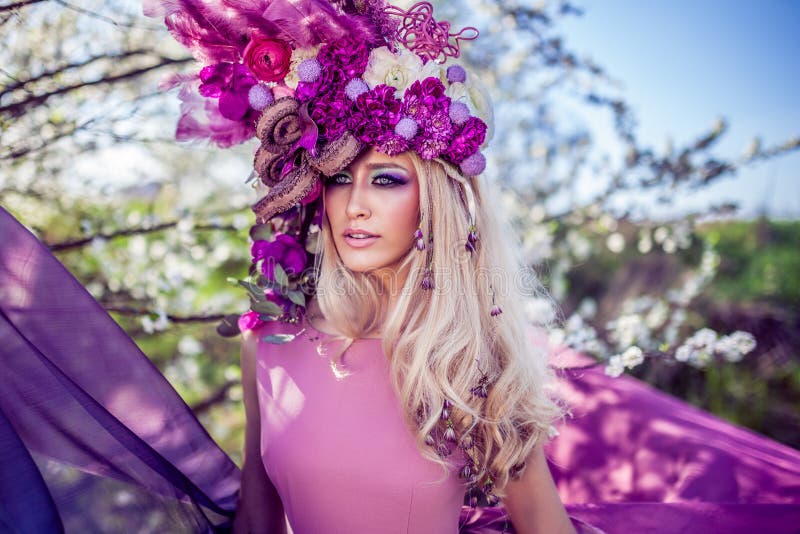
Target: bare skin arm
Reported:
point(532, 501)
point(260, 509)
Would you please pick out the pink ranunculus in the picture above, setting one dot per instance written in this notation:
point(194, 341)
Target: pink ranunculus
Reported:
point(283, 250)
point(267, 59)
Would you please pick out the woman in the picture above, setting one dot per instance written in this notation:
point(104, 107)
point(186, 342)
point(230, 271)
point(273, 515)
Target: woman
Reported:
point(368, 102)
point(371, 290)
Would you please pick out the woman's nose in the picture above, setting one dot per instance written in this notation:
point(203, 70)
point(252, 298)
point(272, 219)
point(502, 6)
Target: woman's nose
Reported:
point(357, 204)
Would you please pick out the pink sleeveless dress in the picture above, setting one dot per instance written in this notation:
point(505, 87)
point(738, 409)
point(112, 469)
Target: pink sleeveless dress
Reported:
point(338, 449)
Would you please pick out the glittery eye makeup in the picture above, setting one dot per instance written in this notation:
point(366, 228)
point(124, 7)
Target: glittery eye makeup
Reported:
point(386, 179)
point(338, 179)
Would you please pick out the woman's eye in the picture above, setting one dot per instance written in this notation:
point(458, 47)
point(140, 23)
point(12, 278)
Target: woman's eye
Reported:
point(387, 180)
point(337, 179)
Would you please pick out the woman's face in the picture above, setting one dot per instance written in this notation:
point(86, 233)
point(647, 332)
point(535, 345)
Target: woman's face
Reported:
point(372, 208)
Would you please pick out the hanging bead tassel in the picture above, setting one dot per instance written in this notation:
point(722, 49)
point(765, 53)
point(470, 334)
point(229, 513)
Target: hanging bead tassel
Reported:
point(419, 242)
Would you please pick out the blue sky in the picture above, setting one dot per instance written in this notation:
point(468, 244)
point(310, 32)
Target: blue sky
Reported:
point(684, 64)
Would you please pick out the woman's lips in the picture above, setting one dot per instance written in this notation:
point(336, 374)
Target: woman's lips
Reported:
point(360, 242)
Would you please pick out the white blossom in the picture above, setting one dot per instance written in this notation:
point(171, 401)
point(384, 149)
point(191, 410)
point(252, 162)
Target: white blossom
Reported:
point(735, 346)
point(615, 366)
point(632, 357)
point(698, 349)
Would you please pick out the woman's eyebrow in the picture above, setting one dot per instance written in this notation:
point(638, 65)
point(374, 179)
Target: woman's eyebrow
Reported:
point(394, 166)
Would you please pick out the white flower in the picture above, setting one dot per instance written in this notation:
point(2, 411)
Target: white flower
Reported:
point(298, 56)
point(698, 349)
point(632, 357)
point(735, 346)
point(615, 366)
point(397, 70)
point(657, 315)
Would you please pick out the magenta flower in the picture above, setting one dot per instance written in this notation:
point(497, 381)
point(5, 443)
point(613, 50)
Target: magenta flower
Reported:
point(348, 55)
point(330, 112)
point(393, 145)
point(283, 250)
point(230, 83)
point(375, 115)
point(249, 321)
point(423, 98)
point(268, 59)
point(467, 140)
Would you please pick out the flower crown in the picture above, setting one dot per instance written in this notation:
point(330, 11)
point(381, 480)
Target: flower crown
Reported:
point(317, 82)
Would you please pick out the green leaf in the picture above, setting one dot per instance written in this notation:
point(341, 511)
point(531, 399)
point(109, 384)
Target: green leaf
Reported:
point(256, 293)
point(261, 232)
point(298, 297)
point(280, 276)
point(268, 318)
point(278, 339)
point(229, 327)
point(266, 307)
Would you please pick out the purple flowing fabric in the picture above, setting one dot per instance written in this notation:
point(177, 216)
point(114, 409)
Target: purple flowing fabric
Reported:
point(94, 439)
point(117, 448)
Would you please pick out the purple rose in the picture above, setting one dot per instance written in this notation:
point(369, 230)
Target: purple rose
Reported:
point(467, 141)
point(283, 250)
point(230, 83)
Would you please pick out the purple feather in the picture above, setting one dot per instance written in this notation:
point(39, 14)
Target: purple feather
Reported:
point(218, 30)
point(201, 119)
point(211, 31)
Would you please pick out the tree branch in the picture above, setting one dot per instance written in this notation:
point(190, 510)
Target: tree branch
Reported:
point(82, 242)
point(124, 310)
point(18, 108)
point(51, 73)
point(17, 5)
point(215, 398)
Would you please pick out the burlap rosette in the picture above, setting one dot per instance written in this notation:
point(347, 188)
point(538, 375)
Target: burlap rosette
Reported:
point(292, 173)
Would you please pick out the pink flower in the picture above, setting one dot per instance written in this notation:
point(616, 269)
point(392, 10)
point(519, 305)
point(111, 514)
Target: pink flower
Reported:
point(268, 59)
point(249, 321)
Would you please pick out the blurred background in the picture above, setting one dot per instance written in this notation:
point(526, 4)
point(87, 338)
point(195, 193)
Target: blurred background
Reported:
point(646, 151)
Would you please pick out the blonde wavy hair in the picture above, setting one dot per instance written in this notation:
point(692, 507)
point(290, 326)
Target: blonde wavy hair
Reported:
point(441, 341)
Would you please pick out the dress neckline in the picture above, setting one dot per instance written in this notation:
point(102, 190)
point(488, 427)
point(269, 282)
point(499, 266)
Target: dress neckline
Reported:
point(308, 323)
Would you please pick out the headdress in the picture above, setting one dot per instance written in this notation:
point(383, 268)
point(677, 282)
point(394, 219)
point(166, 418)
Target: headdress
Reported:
point(315, 82)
